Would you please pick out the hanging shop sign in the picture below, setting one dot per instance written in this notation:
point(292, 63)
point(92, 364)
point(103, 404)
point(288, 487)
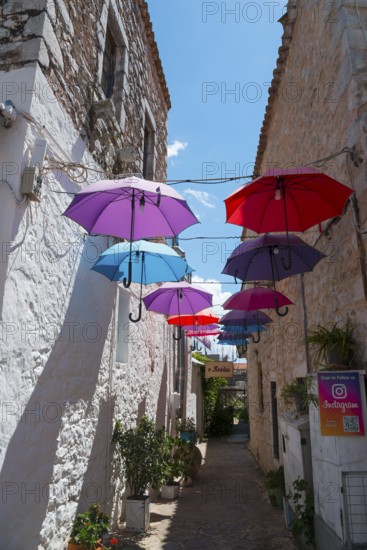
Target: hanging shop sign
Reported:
point(340, 403)
point(219, 369)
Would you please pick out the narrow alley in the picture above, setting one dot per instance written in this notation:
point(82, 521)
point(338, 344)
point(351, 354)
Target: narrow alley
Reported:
point(226, 507)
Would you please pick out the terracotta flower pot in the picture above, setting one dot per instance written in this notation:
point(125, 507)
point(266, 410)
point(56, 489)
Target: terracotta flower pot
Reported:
point(73, 546)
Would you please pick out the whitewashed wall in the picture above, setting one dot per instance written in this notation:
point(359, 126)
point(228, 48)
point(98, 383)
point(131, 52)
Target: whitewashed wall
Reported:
point(60, 387)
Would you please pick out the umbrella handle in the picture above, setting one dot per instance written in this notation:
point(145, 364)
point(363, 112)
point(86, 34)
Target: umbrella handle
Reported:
point(285, 312)
point(287, 264)
point(127, 282)
point(179, 336)
point(138, 317)
point(257, 339)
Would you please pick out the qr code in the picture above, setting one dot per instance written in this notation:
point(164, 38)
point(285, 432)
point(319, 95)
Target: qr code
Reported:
point(351, 423)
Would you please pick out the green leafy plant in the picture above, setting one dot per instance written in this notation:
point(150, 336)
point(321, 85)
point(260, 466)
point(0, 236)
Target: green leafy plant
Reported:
point(304, 510)
point(141, 451)
point(185, 425)
point(296, 393)
point(89, 527)
point(333, 340)
point(173, 465)
point(275, 486)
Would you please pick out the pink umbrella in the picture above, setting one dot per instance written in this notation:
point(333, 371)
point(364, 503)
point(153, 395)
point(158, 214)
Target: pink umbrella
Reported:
point(257, 298)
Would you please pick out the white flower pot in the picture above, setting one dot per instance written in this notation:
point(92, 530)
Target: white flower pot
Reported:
point(170, 492)
point(137, 514)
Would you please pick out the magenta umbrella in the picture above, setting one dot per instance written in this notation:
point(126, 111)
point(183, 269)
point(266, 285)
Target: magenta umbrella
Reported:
point(177, 299)
point(131, 208)
point(257, 298)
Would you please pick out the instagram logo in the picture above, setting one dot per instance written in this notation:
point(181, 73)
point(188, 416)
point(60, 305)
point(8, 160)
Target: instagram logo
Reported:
point(339, 391)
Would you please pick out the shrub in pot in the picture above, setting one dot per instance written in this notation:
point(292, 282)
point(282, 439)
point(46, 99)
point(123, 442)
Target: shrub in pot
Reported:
point(187, 429)
point(88, 529)
point(141, 451)
point(333, 345)
point(173, 468)
point(275, 486)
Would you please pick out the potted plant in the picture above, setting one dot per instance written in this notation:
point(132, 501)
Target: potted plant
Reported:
point(333, 346)
point(187, 429)
point(173, 468)
point(295, 393)
point(275, 486)
point(88, 529)
point(141, 452)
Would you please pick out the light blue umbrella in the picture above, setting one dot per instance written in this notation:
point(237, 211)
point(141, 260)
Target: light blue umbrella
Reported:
point(241, 329)
point(151, 263)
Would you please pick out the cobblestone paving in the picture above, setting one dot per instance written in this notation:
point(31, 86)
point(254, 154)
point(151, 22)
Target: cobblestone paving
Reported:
point(225, 508)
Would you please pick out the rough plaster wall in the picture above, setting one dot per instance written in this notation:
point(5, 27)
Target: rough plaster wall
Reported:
point(319, 109)
point(60, 385)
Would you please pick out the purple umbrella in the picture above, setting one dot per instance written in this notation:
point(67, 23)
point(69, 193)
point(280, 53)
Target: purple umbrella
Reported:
point(257, 298)
point(246, 319)
point(177, 299)
point(131, 208)
point(264, 258)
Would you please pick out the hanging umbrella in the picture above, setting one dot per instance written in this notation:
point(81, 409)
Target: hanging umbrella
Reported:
point(205, 317)
point(131, 208)
point(264, 258)
point(151, 263)
point(239, 329)
point(197, 335)
point(201, 328)
point(257, 298)
point(245, 318)
point(177, 299)
point(287, 200)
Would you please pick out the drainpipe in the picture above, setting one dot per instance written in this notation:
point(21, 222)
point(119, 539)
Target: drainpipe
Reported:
point(305, 322)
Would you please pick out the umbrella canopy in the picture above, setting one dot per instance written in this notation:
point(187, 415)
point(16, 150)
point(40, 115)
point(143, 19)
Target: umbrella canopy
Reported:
point(201, 328)
point(287, 200)
point(245, 318)
point(131, 208)
point(203, 332)
point(240, 329)
point(230, 336)
point(263, 258)
point(257, 298)
point(177, 299)
point(151, 263)
point(205, 317)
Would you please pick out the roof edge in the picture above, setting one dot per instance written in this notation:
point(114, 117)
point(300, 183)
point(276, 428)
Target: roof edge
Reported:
point(144, 10)
point(288, 21)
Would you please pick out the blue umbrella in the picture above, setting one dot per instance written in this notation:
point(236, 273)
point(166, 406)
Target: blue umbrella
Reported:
point(150, 262)
point(241, 329)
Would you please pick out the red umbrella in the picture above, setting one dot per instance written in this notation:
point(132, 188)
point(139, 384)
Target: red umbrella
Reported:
point(258, 298)
point(287, 200)
point(204, 317)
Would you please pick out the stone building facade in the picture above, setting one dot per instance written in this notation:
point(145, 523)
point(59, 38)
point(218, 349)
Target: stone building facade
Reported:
point(317, 108)
point(88, 89)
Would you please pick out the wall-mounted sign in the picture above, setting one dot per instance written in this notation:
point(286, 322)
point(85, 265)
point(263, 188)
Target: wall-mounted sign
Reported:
point(340, 403)
point(218, 369)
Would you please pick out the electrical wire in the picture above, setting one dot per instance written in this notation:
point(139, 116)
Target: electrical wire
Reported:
point(363, 29)
point(18, 201)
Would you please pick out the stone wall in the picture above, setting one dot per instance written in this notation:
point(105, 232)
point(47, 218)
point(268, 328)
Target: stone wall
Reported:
point(61, 387)
point(67, 40)
point(317, 107)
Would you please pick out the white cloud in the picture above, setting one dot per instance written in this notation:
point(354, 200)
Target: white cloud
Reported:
point(176, 147)
point(202, 196)
point(219, 296)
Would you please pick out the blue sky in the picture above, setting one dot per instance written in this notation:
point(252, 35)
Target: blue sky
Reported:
point(218, 58)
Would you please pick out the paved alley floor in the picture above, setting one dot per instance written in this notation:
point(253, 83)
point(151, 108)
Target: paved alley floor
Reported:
point(225, 508)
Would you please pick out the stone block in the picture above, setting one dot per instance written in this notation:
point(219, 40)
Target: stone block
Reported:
point(24, 52)
point(20, 6)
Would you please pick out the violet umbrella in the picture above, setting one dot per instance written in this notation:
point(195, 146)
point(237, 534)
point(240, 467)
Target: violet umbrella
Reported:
point(176, 299)
point(263, 258)
point(246, 319)
point(235, 338)
point(292, 199)
point(131, 208)
point(257, 298)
